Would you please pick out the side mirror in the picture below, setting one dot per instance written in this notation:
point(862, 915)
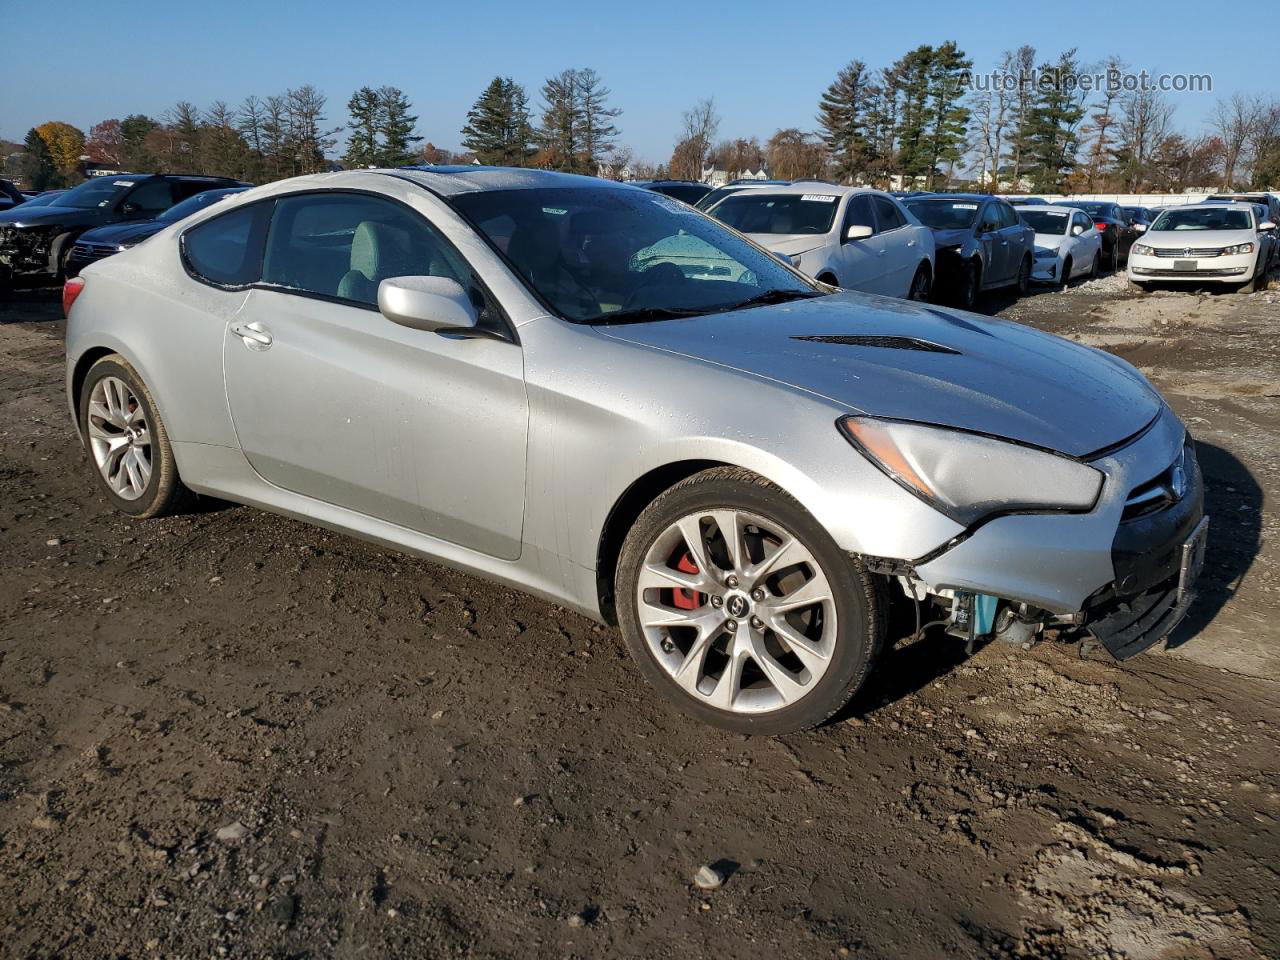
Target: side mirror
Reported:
point(1140, 227)
point(427, 303)
point(1266, 225)
point(858, 231)
point(131, 210)
point(1077, 230)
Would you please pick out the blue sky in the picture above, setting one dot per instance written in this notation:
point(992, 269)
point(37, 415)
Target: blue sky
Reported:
point(765, 66)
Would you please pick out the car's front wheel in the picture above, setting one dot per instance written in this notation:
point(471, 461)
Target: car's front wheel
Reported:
point(740, 607)
point(132, 457)
point(970, 288)
point(1065, 278)
point(1023, 283)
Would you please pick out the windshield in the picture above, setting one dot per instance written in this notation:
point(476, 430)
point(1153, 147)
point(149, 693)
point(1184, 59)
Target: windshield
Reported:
point(944, 214)
point(1203, 218)
point(611, 254)
point(98, 192)
point(1093, 209)
point(1046, 221)
point(751, 211)
point(45, 199)
point(198, 202)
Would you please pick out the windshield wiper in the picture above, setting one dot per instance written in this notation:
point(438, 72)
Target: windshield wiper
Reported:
point(644, 314)
point(775, 296)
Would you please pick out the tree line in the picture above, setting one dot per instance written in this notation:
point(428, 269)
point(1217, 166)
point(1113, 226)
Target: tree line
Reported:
point(919, 121)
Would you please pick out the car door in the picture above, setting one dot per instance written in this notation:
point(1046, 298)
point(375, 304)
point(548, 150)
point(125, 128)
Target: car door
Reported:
point(333, 401)
point(1013, 236)
point(995, 249)
point(901, 253)
point(861, 262)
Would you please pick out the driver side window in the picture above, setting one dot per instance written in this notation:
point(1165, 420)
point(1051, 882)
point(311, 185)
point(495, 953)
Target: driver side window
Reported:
point(990, 219)
point(150, 198)
point(859, 213)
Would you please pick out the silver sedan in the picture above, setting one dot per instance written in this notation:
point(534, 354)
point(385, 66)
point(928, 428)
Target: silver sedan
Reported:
point(601, 396)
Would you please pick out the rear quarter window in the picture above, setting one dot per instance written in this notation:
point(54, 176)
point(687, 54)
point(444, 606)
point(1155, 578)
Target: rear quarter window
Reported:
point(226, 251)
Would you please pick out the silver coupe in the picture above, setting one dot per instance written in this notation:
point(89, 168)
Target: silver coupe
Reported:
point(599, 395)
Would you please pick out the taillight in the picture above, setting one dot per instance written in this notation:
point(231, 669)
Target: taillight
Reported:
point(1101, 226)
point(70, 290)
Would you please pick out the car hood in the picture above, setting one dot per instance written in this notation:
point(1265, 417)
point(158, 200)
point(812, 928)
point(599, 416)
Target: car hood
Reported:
point(47, 216)
point(892, 358)
point(1182, 239)
point(951, 238)
point(126, 234)
point(792, 244)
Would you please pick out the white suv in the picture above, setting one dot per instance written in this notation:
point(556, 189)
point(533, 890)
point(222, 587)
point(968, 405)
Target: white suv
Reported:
point(1203, 243)
point(849, 237)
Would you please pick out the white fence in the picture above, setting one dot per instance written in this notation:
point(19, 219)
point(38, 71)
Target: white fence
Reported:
point(1127, 199)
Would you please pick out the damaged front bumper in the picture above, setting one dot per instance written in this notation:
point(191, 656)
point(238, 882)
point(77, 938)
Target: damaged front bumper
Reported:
point(1124, 572)
point(24, 251)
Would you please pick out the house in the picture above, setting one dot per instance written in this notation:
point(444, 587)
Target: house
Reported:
point(718, 178)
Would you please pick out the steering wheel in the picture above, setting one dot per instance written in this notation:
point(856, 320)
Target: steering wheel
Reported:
point(660, 274)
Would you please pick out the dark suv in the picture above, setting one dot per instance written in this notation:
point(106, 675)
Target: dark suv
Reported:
point(36, 243)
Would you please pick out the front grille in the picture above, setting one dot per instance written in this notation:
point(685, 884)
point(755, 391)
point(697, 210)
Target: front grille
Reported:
point(1220, 272)
point(1164, 489)
point(92, 251)
point(1198, 252)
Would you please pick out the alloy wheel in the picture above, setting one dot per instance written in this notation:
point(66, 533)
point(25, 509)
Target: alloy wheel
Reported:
point(120, 437)
point(737, 610)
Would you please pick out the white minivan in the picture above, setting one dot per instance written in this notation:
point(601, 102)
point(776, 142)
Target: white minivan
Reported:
point(850, 237)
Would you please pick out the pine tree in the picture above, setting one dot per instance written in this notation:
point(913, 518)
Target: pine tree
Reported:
point(395, 128)
point(598, 129)
point(949, 118)
point(362, 141)
point(134, 129)
point(560, 134)
point(1051, 130)
point(38, 168)
point(842, 115)
point(915, 71)
point(498, 129)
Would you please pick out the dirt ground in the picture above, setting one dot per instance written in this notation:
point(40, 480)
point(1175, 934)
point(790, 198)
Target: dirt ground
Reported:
point(233, 735)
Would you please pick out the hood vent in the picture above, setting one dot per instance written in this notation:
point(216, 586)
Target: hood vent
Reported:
point(871, 340)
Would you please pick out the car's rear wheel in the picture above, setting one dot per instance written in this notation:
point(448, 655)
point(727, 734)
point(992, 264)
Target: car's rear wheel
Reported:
point(970, 285)
point(921, 283)
point(1115, 257)
point(1024, 276)
point(739, 607)
point(127, 441)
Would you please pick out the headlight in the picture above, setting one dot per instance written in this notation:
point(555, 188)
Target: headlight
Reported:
point(967, 476)
point(1142, 250)
point(1043, 254)
point(1238, 249)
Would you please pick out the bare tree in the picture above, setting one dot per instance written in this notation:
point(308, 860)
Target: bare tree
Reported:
point(793, 154)
point(1022, 65)
point(1233, 120)
point(698, 128)
point(1098, 133)
point(990, 111)
point(1142, 126)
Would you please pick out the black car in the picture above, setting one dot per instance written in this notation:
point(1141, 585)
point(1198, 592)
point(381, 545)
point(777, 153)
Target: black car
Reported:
point(10, 196)
point(104, 241)
point(38, 243)
point(1117, 228)
point(1026, 201)
point(690, 191)
point(981, 244)
point(733, 186)
point(1143, 215)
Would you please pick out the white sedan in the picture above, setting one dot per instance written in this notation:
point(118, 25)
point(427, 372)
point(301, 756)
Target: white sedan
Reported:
point(848, 237)
point(1203, 243)
point(1067, 245)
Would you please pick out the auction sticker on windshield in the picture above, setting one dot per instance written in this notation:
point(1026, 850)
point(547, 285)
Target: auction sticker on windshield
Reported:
point(818, 198)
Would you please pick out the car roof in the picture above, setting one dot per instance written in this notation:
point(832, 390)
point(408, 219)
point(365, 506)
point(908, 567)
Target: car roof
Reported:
point(1047, 207)
point(452, 181)
point(970, 197)
point(820, 187)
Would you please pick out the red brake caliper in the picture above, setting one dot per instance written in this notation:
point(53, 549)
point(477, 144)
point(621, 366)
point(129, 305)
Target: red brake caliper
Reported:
point(684, 599)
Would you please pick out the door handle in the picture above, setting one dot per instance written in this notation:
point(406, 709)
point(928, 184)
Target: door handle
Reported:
point(254, 335)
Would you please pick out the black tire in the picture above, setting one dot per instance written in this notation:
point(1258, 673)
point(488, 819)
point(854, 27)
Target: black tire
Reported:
point(857, 602)
point(970, 288)
point(1097, 266)
point(1024, 277)
point(1249, 287)
point(1115, 257)
point(1137, 287)
point(1065, 279)
point(164, 492)
point(921, 284)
